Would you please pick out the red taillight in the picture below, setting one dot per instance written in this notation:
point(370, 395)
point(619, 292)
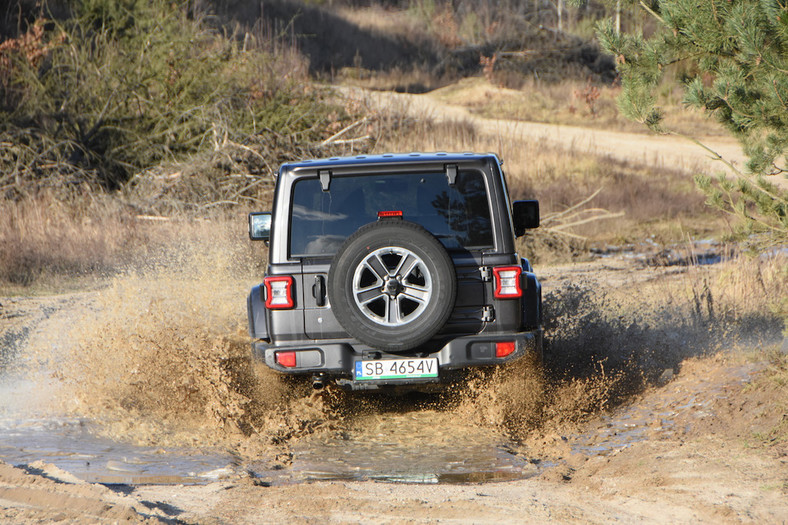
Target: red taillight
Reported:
point(504, 349)
point(392, 213)
point(507, 282)
point(286, 359)
point(278, 292)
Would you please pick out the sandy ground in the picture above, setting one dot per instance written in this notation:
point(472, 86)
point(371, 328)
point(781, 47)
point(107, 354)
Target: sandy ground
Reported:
point(702, 468)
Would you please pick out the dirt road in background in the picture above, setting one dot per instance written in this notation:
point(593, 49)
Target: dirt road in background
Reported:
point(672, 152)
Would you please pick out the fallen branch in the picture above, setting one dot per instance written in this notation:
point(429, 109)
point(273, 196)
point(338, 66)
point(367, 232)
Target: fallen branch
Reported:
point(152, 218)
point(219, 203)
point(607, 215)
point(341, 132)
point(554, 216)
point(246, 188)
point(556, 223)
point(353, 141)
point(245, 148)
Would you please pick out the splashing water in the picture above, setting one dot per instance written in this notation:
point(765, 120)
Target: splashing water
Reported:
point(160, 359)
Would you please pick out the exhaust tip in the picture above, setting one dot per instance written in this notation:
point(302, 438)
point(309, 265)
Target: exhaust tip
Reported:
point(318, 381)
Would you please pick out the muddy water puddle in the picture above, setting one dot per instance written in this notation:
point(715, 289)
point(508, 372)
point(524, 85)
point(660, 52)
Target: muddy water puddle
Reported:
point(30, 432)
point(396, 462)
point(417, 447)
point(74, 446)
point(71, 445)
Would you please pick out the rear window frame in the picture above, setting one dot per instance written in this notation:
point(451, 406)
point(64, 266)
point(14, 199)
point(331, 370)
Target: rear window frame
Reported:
point(488, 199)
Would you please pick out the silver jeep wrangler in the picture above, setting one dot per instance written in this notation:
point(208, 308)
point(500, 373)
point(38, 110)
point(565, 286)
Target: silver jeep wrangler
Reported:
point(394, 270)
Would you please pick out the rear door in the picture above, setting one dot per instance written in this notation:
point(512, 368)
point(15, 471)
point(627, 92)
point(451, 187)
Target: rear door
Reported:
point(321, 219)
point(467, 232)
point(456, 210)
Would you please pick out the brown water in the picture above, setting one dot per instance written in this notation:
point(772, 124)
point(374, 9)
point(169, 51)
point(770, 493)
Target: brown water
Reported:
point(425, 446)
point(74, 446)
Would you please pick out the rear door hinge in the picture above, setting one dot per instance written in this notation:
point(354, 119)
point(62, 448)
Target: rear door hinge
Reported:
point(325, 179)
point(488, 314)
point(451, 174)
point(486, 273)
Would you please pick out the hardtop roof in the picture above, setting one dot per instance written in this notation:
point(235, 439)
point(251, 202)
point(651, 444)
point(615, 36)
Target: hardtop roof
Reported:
point(386, 158)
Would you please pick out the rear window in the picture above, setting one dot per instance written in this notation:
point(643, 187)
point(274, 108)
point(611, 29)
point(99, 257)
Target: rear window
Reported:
point(459, 215)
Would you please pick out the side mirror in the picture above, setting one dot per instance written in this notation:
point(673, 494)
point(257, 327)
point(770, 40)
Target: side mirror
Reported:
point(260, 226)
point(525, 215)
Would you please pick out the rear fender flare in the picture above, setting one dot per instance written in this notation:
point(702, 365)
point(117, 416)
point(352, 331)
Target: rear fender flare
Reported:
point(258, 315)
point(532, 300)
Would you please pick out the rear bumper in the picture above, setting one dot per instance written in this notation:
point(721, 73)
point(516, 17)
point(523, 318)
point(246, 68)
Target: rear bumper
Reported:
point(337, 360)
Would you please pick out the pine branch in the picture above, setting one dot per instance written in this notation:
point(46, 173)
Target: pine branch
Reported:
point(738, 173)
point(652, 12)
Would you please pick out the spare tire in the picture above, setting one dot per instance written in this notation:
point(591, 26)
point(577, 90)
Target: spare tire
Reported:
point(392, 285)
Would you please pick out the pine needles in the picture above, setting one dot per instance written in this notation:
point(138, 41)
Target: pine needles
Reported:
point(735, 58)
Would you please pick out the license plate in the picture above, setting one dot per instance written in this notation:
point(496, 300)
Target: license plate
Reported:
point(396, 369)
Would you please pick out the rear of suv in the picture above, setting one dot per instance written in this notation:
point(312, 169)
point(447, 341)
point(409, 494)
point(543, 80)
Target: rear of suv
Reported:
point(395, 270)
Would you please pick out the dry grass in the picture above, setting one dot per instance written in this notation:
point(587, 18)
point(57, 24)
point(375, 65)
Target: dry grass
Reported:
point(91, 233)
point(41, 234)
point(775, 377)
point(97, 233)
point(45, 242)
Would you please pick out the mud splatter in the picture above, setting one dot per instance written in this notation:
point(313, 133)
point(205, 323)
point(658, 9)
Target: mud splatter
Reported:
point(161, 358)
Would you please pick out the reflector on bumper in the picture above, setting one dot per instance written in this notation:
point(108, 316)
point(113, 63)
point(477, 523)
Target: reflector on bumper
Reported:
point(504, 348)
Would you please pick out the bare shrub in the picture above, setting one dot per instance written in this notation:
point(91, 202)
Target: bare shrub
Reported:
point(588, 96)
point(488, 67)
point(112, 92)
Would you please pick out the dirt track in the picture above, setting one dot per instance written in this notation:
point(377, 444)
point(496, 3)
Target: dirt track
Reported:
point(697, 476)
point(651, 149)
point(684, 451)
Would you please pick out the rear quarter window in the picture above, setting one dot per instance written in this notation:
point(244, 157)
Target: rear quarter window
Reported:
point(459, 215)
